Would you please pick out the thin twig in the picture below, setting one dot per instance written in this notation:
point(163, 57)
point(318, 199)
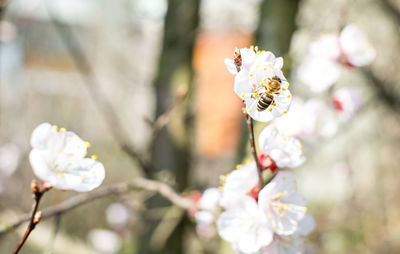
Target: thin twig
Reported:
point(103, 104)
point(253, 150)
point(35, 216)
point(120, 188)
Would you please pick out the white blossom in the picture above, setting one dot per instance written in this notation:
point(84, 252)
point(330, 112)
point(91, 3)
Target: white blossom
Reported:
point(285, 151)
point(9, 158)
point(238, 183)
point(205, 217)
point(346, 101)
point(283, 205)
point(321, 66)
point(105, 241)
point(356, 48)
point(117, 215)
point(256, 70)
point(58, 158)
point(245, 226)
point(318, 73)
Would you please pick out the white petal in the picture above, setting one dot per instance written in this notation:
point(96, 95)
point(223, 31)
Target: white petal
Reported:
point(356, 46)
point(248, 57)
point(204, 217)
point(40, 135)
point(230, 225)
point(230, 65)
point(39, 162)
point(210, 199)
point(306, 225)
point(261, 116)
point(250, 243)
point(242, 180)
point(91, 173)
point(242, 86)
point(279, 63)
point(74, 146)
point(318, 73)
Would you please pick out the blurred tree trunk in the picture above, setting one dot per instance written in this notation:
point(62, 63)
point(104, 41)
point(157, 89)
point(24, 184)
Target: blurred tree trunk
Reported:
point(276, 25)
point(171, 148)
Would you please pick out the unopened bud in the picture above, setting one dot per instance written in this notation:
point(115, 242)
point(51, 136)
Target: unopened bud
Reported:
point(34, 187)
point(36, 218)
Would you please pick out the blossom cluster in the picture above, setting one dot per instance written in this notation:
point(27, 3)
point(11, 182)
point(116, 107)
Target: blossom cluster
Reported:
point(267, 220)
point(321, 66)
point(258, 208)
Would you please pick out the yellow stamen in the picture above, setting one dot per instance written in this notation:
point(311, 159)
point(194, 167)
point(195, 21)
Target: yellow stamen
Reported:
point(238, 166)
point(284, 112)
point(248, 161)
point(242, 95)
point(288, 96)
point(55, 127)
point(94, 157)
point(250, 110)
point(270, 109)
point(82, 177)
point(251, 75)
point(87, 144)
point(283, 89)
point(63, 130)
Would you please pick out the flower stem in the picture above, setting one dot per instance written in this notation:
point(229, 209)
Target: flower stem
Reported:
point(253, 150)
point(35, 216)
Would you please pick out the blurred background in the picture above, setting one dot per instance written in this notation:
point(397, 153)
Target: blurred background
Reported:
point(108, 69)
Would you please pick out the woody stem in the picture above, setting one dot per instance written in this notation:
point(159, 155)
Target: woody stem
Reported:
point(253, 150)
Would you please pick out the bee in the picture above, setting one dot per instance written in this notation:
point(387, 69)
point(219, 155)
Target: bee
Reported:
point(272, 88)
point(237, 59)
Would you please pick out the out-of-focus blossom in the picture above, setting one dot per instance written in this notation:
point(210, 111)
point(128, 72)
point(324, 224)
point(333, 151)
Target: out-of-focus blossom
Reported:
point(245, 226)
point(283, 205)
point(104, 241)
point(355, 46)
point(210, 199)
point(341, 170)
point(346, 102)
point(321, 119)
point(318, 73)
point(205, 217)
point(256, 71)
point(117, 215)
point(9, 158)
point(320, 68)
point(285, 151)
point(58, 158)
point(309, 120)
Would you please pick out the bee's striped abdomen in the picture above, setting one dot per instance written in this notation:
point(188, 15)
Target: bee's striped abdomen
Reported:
point(264, 101)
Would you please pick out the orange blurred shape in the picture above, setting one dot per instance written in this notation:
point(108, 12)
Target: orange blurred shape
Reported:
point(218, 109)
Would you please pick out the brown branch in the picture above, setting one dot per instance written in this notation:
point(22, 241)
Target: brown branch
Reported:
point(253, 150)
point(392, 8)
point(384, 90)
point(103, 104)
point(120, 188)
point(35, 216)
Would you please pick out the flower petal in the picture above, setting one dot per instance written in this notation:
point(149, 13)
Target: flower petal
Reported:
point(40, 135)
point(91, 173)
point(230, 65)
